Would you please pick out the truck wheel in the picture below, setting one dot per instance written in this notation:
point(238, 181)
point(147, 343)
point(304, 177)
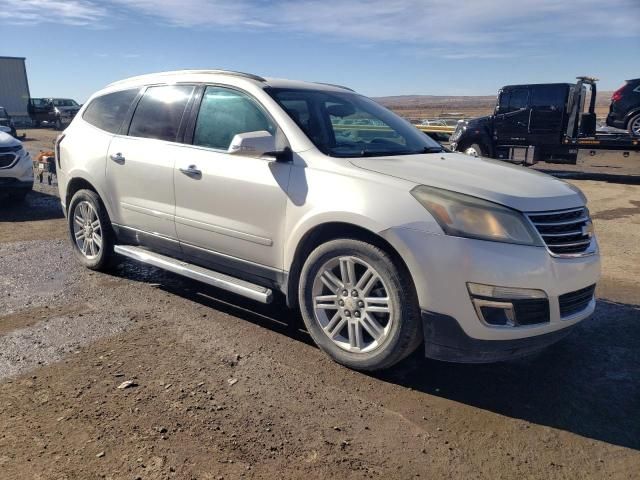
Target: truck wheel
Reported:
point(358, 306)
point(474, 150)
point(90, 230)
point(634, 126)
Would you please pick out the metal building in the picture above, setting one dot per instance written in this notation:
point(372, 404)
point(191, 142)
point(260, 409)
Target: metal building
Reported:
point(14, 87)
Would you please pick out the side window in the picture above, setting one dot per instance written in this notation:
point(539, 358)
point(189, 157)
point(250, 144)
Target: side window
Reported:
point(108, 111)
point(503, 102)
point(519, 99)
point(223, 114)
point(548, 96)
point(160, 111)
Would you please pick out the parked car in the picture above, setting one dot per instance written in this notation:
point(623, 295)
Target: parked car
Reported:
point(6, 123)
point(380, 237)
point(41, 111)
point(624, 111)
point(57, 112)
point(16, 168)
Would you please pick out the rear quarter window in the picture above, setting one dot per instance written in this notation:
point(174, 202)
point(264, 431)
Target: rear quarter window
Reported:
point(109, 111)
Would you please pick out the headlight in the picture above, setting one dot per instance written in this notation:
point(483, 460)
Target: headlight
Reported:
point(465, 216)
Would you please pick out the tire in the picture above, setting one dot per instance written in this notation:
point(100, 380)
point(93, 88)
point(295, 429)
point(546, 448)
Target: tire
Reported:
point(633, 127)
point(363, 336)
point(85, 209)
point(58, 124)
point(475, 150)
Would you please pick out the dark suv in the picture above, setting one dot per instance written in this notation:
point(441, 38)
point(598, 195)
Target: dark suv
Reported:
point(625, 108)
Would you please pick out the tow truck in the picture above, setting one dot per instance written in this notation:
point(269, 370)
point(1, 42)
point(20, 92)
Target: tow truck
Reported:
point(546, 122)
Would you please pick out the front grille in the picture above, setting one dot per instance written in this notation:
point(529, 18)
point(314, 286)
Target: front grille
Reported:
point(7, 160)
point(565, 232)
point(574, 302)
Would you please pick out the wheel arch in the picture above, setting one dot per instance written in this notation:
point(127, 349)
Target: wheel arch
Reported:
point(79, 182)
point(632, 113)
point(325, 232)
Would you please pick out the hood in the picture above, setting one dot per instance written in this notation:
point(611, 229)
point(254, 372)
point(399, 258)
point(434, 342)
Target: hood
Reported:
point(476, 122)
point(510, 185)
point(7, 140)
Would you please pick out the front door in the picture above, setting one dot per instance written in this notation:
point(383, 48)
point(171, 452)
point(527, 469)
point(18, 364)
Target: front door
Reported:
point(547, 113)
point(512, 117)
point(140, 165)
point(230, 209)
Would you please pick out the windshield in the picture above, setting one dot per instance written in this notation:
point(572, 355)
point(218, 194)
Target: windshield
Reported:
point(64, 102)
point(344, 124)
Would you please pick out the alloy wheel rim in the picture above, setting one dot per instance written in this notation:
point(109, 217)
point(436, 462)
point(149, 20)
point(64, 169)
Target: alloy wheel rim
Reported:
point(472, 151)
point(352, 305)
point(87, 231)
point(635, 127)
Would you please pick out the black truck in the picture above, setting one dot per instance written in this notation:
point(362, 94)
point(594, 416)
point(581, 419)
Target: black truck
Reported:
point(544, 122)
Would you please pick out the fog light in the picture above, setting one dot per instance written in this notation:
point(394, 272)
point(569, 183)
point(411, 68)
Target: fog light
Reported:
point(508, 306)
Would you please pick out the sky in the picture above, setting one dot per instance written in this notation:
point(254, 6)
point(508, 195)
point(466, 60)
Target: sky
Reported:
point(378, 47)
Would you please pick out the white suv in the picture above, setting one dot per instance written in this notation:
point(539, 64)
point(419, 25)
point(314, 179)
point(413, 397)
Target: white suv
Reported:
point(379, 236)
point(16, 168)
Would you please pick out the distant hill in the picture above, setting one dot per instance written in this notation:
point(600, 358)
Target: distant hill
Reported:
point(417, 107)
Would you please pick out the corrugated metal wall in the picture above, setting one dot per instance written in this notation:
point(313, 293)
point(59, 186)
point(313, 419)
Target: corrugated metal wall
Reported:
point(14, 88)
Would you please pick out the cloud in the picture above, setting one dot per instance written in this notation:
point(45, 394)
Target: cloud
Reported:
point(35, 12)
point(479, 28)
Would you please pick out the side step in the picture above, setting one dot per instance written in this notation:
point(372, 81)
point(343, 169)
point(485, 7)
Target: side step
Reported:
point(219, 280)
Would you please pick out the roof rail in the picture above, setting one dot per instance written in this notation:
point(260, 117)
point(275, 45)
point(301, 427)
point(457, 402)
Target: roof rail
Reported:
point(186, 72)
point(335, 85)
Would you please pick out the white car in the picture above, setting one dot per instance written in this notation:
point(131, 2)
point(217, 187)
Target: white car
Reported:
point(16, 168)
point(379, 236)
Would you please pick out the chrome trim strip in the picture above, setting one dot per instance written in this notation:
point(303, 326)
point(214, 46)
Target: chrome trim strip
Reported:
point(12, 164)
point(147, 211)
point(570, 244)
point(567, 234)
point(558, 224)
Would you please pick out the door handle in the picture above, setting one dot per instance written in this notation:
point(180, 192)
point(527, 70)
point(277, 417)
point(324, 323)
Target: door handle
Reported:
point(118, 158)
point(191, 171)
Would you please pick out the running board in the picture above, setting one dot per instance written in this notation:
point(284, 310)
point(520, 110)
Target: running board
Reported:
point(219, 280)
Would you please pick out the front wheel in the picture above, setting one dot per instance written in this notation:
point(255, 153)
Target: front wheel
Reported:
point(358, 306)
point(634, 126)
point(475, 150)
point(90, 230)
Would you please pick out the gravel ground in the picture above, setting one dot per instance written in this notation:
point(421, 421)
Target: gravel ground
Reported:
point(227, 388)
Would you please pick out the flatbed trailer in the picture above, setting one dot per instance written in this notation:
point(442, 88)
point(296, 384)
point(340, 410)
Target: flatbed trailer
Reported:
point(546, 123)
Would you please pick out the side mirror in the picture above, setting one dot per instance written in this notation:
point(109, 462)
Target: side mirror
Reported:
point(256, 145)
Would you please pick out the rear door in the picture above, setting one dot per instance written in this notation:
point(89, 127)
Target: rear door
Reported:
point(512, 118)
point(548, 105)
point(140, 166)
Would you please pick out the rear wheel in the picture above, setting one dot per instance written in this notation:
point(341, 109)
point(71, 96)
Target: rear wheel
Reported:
point(634, 126)
point(90, 230)
point(358, 306)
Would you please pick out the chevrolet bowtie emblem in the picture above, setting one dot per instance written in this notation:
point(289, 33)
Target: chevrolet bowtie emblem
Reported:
point(587, 229)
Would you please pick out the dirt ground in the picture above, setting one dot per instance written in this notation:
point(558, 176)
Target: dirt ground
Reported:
point(225, 388)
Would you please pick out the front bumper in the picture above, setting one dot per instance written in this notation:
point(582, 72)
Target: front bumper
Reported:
point(441, 266)
point(445, 340)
